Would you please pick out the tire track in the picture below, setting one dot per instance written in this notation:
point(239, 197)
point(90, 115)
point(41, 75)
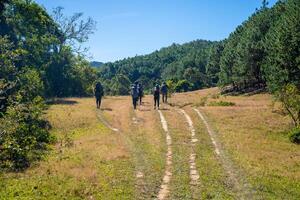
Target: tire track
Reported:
point(106, 123)
point(139, 174)
point(194, 174)
point(164, 188)
point(240, 185)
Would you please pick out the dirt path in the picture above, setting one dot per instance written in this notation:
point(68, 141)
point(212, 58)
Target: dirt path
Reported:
point(145, 138)
point(164, 188)
point(240, 185)
point(194, 175)
point(105, 122)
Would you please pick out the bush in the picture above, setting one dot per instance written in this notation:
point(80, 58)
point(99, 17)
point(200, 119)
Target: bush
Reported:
point(289, 96)
point(24, 135)
point(294, 135)
point(221, 103)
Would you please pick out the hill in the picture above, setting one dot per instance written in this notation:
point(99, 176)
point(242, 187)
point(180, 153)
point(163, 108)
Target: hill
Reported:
point(176, 62)
point(96, 64)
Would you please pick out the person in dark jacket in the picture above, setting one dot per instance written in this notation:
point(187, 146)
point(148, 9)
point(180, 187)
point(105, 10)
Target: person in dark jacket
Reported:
point(98, 92)
point(164, 92)
point(156, 95)
point(141, 92)
point(134, 94)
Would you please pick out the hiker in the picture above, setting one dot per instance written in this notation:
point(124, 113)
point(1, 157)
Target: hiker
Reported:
point(164, 92)
point(98, 91)
point(134, 94)
point(156, 95)
point(141, 92)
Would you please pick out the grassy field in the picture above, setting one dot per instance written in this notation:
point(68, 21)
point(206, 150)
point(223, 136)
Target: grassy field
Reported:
point(89, 161)
point(92, 161)
point(253, 134)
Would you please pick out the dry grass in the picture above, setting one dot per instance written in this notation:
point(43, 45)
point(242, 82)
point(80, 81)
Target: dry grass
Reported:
point(96, 164)
point(145, 138)
point(180, 182)
point(254, 135)
point(90, 161)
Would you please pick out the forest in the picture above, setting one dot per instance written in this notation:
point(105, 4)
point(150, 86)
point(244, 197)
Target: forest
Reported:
point(41, 57)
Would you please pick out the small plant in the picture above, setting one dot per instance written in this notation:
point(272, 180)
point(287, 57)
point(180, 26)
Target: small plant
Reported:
point(294, 135)
point(221, 103)
point(289, 96)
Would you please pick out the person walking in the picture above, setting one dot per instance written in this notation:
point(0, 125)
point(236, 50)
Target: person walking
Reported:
point(164, 92)
point(98, 92)
point(141, 92)
point(134, 94)
point(156, 95)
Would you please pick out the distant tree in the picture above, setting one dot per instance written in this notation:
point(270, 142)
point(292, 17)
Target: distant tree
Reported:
point(121, 85)
point(213, 65)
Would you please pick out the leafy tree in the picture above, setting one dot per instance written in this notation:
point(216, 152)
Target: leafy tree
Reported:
point(213, 65)
point(121, 85)
point(282, 65)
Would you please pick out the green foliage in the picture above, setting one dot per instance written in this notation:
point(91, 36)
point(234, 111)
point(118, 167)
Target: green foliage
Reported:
point(23, 135)
point(36, 60)
point(176, 62)
point(294, 135)
point(182, 86)
point(120, 85)
point(283, 43)
point(221, 103)
point(213, 65)
point(171, 87)
point(289, 96)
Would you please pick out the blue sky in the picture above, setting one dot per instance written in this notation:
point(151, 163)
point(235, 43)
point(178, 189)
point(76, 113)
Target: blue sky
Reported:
point(126, 28)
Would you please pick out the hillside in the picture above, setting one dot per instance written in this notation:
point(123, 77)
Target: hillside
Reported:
point(96, 64)
point(176, 62)
point(209, 151)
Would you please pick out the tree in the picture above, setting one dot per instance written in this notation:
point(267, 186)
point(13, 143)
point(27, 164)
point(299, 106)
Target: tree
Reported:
point(75, 30)
point(213, 64)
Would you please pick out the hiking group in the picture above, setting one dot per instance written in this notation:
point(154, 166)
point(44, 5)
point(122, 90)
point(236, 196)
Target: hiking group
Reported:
point(137, 93)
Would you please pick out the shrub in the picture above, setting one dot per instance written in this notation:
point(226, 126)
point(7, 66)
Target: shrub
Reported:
point(294, 135)
point(24, 135)
point(221, 103)
point(289, 96)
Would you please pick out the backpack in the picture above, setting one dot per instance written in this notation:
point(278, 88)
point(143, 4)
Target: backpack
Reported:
point(140, 89)
point(134, 92)
point(98, 90)
point(164, 89)
point(156, 91)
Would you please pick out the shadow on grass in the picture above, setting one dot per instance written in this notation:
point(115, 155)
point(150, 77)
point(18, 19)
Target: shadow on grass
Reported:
point(164, 109)
point(61, 102)
point(106, 109)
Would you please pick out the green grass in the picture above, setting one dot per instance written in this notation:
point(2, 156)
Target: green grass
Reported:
point(213, 178)
point(149, 158)
point(255, 139)
point(96, 164)
point(180, 181)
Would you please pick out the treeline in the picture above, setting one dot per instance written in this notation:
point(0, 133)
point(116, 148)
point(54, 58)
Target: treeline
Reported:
point(264, 52)
point(40, 57)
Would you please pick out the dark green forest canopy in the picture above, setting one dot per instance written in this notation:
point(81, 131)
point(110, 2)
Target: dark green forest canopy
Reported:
point(176, 62)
